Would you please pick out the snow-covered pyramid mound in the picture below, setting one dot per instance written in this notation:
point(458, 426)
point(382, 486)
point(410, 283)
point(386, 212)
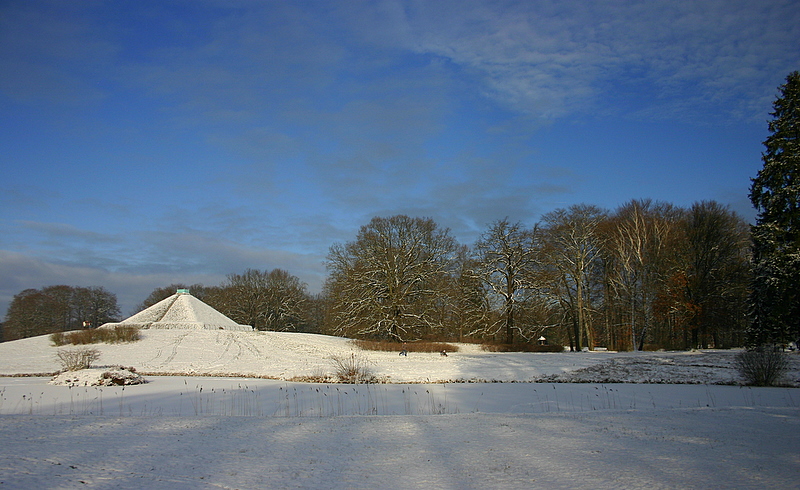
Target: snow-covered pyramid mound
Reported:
point(181, 311)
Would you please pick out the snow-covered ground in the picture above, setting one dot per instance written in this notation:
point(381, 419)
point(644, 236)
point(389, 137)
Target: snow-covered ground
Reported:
point(288, 356)
point(436, 424)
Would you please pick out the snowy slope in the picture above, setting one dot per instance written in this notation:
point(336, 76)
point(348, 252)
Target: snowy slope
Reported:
point(287, 356)
point(282, 355)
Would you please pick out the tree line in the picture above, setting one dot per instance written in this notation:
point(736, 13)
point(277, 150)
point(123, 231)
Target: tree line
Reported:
point(58, 308)
point(647, 275)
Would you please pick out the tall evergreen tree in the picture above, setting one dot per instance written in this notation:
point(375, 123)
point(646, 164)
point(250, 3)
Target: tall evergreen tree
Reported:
point(775, 192)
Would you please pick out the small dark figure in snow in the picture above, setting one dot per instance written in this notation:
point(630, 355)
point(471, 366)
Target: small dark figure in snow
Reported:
point(443, 353)
point(404, 352)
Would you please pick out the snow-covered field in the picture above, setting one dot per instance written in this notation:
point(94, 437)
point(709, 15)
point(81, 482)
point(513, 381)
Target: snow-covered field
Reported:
point(238, 422)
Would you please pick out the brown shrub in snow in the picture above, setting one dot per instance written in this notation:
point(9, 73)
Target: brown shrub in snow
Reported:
point(77, 359)
point(352, 369)
point(764, 366)
point(118, 334)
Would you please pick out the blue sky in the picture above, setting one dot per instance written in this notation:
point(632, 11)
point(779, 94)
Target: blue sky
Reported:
point(144, 143)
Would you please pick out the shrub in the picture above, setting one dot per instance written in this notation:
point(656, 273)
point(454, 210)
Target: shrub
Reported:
point(82, 337)
point(58, 339)
point(124, 333)
point(318, 376)
point(521, 348)
point(120, 333)
point(77, 359)
point(352, 369)
point(391, 346)
point(764, 366)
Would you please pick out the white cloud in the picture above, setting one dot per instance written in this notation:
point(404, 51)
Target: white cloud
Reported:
point(553, 59)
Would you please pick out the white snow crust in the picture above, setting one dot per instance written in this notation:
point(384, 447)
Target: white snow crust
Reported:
point(588, 420)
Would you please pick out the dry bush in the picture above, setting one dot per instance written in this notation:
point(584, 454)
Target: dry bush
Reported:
point(764, 366)
point(390, 346)
point(82, 337)
point(123, 333)
point(352, 369)
point(521, 348)
point(318, 376)
point(58, 339)
point(77, 359)
point(118, 334)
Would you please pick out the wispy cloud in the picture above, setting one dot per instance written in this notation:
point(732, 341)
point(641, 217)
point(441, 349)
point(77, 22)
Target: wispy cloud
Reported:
point(553, 59)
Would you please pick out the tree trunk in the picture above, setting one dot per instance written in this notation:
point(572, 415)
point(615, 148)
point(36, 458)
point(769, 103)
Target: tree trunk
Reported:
point(576, 332)
point(509, 322)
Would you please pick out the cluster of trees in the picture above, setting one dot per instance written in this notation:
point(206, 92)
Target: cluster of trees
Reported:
point(647, 274)
point(650, 273)
point(267, 300)
point(58, 308)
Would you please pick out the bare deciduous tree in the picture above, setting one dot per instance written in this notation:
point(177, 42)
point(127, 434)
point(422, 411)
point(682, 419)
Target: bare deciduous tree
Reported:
point(274, 300)
point(638, 245)
point(390, 281)
point(505, 258)
point(715, 263)
point(573, 249)
point(469, 309)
